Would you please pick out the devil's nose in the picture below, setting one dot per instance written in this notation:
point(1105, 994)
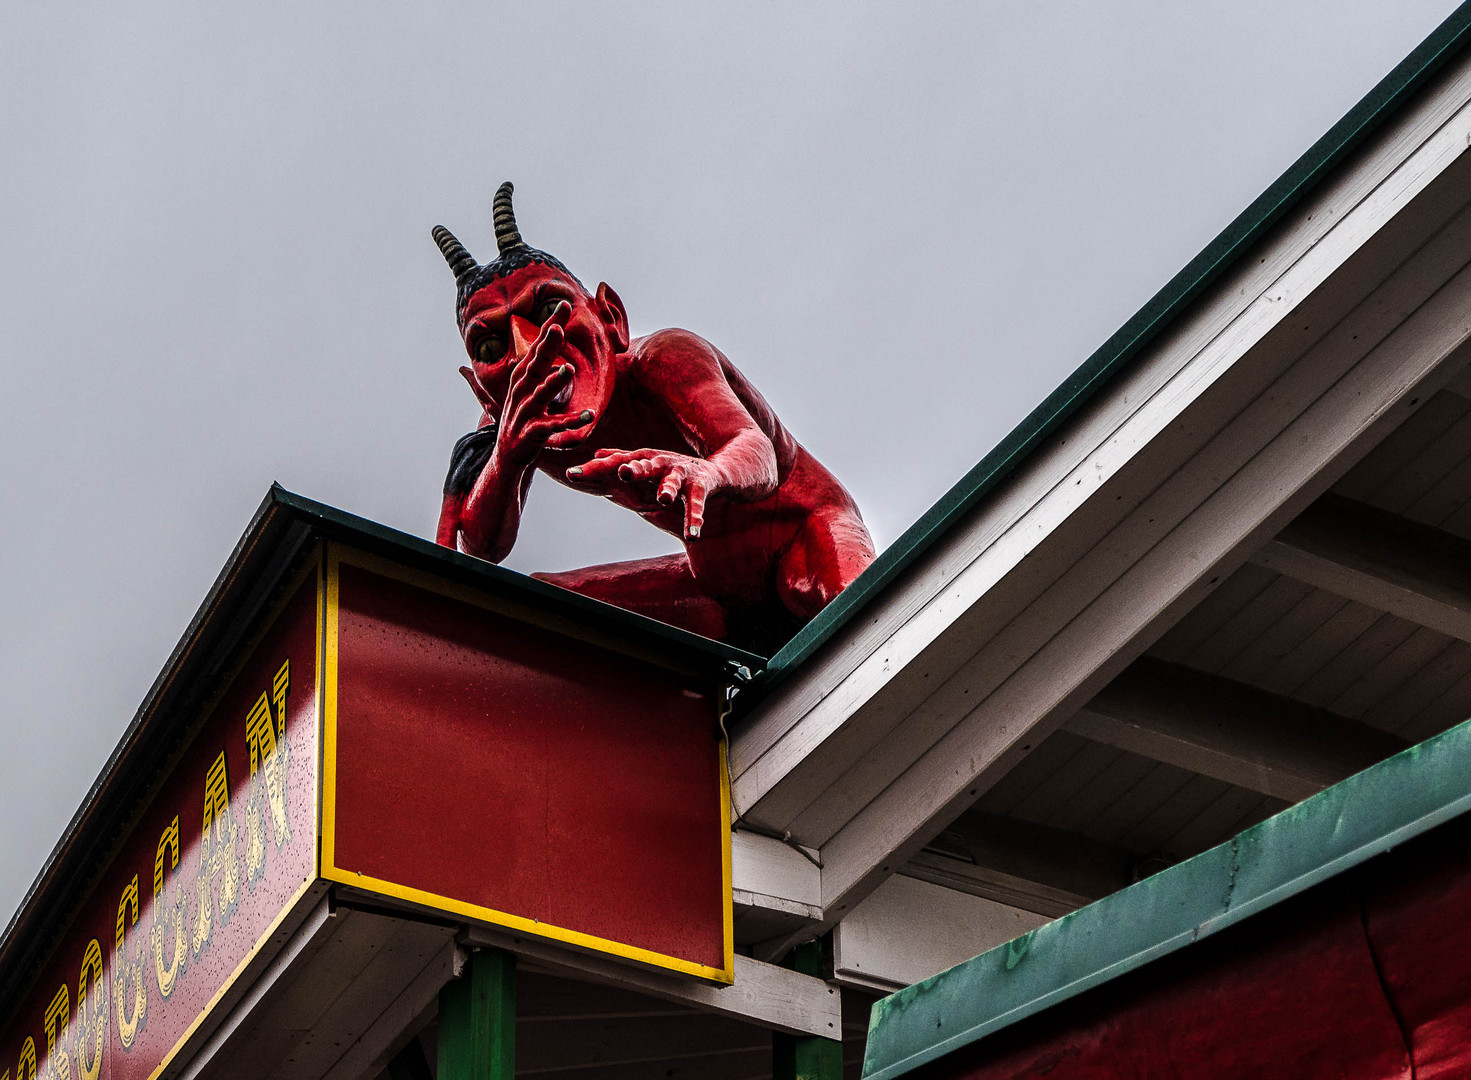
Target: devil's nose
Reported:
point(523, 335)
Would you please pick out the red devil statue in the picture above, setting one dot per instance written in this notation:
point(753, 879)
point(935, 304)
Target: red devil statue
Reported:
point(663, 425)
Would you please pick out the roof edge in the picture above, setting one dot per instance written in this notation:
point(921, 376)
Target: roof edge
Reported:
point(278, 532)
point(1380, 103)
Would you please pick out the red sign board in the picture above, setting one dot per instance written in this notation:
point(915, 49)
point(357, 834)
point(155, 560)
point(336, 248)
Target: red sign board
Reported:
point(480, 764)
point(209, 868)
point(477, 757)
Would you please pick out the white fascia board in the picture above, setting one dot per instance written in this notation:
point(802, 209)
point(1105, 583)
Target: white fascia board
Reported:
point(787, 752)
point(767, 873)
point(907, 930)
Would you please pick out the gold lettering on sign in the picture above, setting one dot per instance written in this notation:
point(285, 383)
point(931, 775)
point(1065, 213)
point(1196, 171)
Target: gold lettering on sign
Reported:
point(25, 1069)
point(59, 1063)
point(216, 856)
point(170, 933)
point(91, 1028)
point(269, 758)
point(128, 969)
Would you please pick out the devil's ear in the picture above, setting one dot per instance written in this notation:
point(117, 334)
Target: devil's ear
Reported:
point(489, 404)
point(613, 315)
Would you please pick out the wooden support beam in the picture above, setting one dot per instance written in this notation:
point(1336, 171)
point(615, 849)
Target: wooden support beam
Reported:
point(767, 873)
point(764, 994)
point(1378, 559)
point(1033, 867)
point(477, 1020)
point(1229, 731)
point(806, 1057)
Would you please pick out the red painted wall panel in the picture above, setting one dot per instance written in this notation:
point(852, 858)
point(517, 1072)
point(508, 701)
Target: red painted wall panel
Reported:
point(1303, 1001)
point(1418, 912)
point(1354, 979)
point(494, 768)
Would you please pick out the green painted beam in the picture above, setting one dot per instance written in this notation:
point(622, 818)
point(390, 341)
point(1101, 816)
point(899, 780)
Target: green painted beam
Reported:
point(477, 1020)
point(1347, 824)
point(806, 1057)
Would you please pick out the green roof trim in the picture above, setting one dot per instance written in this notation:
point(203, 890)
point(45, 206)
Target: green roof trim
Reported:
point(415, 550)
point(1352, 821)
point(1220, 255)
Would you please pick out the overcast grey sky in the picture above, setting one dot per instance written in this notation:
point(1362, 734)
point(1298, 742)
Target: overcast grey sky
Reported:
point(906, 223)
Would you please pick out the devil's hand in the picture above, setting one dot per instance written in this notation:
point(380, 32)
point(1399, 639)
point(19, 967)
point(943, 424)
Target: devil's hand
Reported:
point(668, 476)
point(525, 425)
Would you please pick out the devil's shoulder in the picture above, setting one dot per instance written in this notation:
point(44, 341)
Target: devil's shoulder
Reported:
point(665, 350)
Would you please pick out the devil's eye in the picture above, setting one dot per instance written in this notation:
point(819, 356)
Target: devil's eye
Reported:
point(490, 348)
point(544, 308)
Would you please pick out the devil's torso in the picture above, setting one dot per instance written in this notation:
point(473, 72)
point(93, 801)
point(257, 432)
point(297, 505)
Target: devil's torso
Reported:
point(741, 541)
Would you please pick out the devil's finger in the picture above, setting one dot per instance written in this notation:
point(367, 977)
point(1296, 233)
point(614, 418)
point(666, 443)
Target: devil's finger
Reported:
point(552, 425)
point(534, 366)
point(640, 469)
point(558, 318)
point(669, 488)
point(604, 463)
point(694, 510)
point(536, 402)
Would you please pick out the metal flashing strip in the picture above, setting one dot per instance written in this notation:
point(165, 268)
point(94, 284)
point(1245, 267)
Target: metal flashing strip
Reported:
point(1382, 102)
point(467, 569)
point(1347, 824)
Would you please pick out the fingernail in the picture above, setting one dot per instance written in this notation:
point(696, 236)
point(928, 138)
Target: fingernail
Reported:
point(694, 532)
point(585, 416)
point(576, 470)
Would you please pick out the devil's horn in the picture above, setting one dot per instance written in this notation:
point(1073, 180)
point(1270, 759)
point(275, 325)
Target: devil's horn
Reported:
point(461, 262)
point(506, 234)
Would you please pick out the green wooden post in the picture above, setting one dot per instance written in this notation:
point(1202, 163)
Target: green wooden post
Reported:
point(806, 1057)
point(477, 1020)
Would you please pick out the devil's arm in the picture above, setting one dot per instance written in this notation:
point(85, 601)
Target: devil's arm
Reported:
point(684, 371)
point(476, 492)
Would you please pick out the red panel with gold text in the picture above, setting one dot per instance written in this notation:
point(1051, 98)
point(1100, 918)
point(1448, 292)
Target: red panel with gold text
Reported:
point(224, 846)
point(505, 772)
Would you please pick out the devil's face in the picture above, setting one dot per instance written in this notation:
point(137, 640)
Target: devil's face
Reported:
point(501, 321)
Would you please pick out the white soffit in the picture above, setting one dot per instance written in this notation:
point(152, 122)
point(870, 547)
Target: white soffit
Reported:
point(1295, 364)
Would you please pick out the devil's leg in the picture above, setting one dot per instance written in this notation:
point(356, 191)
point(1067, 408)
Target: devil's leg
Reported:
point(663, 588)
point(821, 561)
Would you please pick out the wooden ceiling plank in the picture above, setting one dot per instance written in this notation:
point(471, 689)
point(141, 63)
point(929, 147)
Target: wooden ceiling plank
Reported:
point(1266, 610)
point(1318, 648)
point(1407, 442)
point(1216, 822)
point(1393, 670)
point(1041, 763)
point(1229, 731)
point(1233, 594)
point(1100, 793)
point(1329, 681)
point(1278, 640)
point(1418, 573)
